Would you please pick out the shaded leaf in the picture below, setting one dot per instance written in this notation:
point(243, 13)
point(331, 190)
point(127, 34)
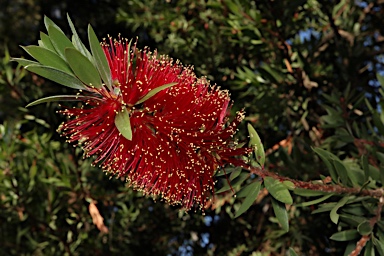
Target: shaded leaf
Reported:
point(281, 214)
point(326, 157)
point(25, 62)
point(316, 201)
point(83, 68)
point(308, 192)
point(250, 198)
point(365, 228)
point(345, 235)
point(292, 252)
point(278, 190)
point(333, 214)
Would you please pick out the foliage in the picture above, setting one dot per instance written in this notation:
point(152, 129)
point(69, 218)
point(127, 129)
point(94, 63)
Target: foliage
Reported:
point(308, 75)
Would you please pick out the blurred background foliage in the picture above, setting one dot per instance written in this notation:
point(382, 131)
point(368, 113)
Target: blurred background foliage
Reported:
point(306, 74)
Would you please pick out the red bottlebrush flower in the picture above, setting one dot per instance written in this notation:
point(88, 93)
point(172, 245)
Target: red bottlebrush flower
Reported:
point(180, 135)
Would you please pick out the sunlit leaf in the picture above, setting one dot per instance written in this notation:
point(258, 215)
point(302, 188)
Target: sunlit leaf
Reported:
point(46, 42)
point(25, 62)
point(123, 124)
point(57, 76)
point(154, 91)
point(83, 68)
point(255, 142)
point(59, 40)
point(99, 58)
point(77, 41)
point(58, 98)
point(48, 58)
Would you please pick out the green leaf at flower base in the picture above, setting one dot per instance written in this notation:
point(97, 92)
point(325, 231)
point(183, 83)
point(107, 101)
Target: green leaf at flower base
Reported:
point(345, 235)
point(255, 143)
point(58, 98)
point(154, 91)
point(46, 42)
point(59, 40)
point(57, 76)
point(365, 228)
point(99, 58)
point(333, 214)
point(48, 58)
point(83, 68)
point(278, 190)
point(281, 214)
point(25, 62)
point(123, 124)
point(254, 189)
point(76, 40)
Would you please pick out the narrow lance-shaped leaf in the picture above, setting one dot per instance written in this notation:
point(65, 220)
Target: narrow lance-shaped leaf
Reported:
point(25, 62)
point(345, 235)
point(48, 22)
point(57, 76)
point(333, 214)
point(255, 142)
point(46, 42)
point(281, 214)
point(154, 91)
point(100, 58)
point(58, 98)
point(123, 124)
point(76, 40)
point(59, 40)
point(83, 68)
point(48, 58)
point(254, 189)
point(278, 190)
point(316, 201)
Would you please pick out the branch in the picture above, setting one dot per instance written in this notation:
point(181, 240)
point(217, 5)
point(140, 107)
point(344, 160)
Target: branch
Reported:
point(376, 193)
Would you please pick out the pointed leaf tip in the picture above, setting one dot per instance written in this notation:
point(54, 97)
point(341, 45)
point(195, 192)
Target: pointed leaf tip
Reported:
point(255, 142)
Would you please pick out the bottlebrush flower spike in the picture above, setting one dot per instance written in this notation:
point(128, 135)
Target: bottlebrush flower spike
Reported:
point(152, 121)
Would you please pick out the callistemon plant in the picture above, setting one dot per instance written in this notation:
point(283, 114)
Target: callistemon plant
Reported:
point(141, 115)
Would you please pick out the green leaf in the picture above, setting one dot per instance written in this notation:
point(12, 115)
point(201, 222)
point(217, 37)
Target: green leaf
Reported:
point(154, 91)
point(123, 124)
point(365, 228)
point(100, 58)
point(341, 171)
point(281, 214)
point(250, 198)
point(345, 235)
point(77, 42)
point(379, 245)
point(57, 76)
point(48, 22)
point(292, 252)
point(369, 250)
point(59, 41)
point(316, 201)
point(83, 68)
point(245, 190)
point(48, 58)
point(326, 157)
point(46, 42)
point(25, 62)
point(58, 98)
point(333, 214)
point(308, 192)
point(289, 184)
point(278, 190)
point(255, 142)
